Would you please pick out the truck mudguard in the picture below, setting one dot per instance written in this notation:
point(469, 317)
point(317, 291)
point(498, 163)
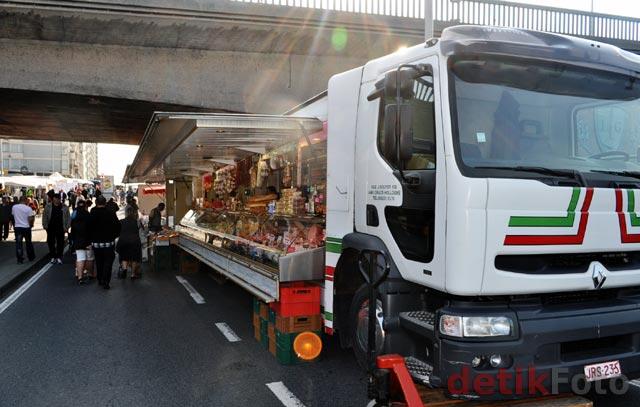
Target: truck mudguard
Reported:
point(362, 241)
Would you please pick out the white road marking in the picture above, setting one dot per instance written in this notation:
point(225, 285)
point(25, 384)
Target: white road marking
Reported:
point(634, 383)
point(283, 394)
point(227, 332)
point(16, 294)
point(192, 291)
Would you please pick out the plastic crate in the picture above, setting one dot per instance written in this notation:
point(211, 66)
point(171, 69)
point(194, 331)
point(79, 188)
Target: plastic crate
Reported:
point(285, 356)
point(272, 316)
point(272, 346)
point(284, 347)
point(264, 311)
point(299, 292)
point(293, 309)
point(271, 331)
point(264, 332)
point(299, 323)
point(256, 305)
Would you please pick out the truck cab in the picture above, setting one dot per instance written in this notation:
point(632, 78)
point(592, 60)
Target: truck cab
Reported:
point(495, 171)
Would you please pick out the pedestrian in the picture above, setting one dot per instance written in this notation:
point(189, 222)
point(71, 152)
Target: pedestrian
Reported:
point(72, 199)
point(56, 221)
point(112, 205)
point(5, 217)
point(32, 204)
point(50, 194)
point(129, 247)
point(63, 196)
point(82, 244)
point(155, 218)
point(104, 228)
point(23, 218)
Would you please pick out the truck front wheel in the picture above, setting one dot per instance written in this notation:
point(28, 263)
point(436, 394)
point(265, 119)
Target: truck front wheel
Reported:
point(359, 318)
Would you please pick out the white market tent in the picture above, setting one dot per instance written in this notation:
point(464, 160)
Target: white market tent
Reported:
point(54, 181)
point(29, 181)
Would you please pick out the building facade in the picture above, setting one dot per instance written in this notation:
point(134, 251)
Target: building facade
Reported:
point(75, 160)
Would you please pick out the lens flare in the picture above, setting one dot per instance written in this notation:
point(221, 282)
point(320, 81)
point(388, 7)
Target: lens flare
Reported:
point(339, 38)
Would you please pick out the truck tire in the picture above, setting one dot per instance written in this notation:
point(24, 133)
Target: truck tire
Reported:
point(359, 321)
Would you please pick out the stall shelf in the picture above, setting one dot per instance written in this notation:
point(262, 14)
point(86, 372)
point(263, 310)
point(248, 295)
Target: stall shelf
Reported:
point(212, 237)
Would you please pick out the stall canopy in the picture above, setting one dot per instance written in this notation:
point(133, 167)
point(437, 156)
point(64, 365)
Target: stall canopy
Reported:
point(176, 145)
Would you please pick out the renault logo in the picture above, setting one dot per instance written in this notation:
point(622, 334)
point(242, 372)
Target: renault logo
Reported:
point(599, 275)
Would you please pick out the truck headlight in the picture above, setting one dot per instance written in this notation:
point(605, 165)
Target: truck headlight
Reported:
point(475, 327)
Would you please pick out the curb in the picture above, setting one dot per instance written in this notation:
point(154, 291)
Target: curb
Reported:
point(22, 276)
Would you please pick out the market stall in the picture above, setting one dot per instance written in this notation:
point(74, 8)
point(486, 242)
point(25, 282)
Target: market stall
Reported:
point(257, 193)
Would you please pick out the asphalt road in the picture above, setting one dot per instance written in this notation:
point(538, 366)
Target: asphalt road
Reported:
point(147, 343)
point(8, 267)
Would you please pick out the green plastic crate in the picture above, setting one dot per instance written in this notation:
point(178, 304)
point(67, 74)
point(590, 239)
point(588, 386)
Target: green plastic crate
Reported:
point(264, 333)
point(256, 305)
point(284, 347)
point(285, 340)
point(286, 356)
point(272, 316)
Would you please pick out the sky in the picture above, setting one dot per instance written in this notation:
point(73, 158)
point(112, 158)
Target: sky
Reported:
point(628, 8)
point(113, 158)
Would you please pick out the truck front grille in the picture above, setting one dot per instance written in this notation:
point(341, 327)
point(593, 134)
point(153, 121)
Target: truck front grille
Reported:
point(566, 263)
point(607, 347)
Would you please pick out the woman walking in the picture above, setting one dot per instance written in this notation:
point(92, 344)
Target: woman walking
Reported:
point(82, 243)
point(129, 247)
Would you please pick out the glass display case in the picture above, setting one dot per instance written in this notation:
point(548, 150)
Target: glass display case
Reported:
point(290, 246)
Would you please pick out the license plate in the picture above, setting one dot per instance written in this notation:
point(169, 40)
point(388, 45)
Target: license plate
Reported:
point(601, 371)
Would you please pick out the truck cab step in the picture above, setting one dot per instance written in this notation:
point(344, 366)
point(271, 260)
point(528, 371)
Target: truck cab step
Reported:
point(420, 322)
point(420, 371)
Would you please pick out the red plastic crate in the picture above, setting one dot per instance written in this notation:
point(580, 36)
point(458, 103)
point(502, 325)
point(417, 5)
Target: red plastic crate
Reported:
point(299, 292)
point(297, 299)
point(294, 309)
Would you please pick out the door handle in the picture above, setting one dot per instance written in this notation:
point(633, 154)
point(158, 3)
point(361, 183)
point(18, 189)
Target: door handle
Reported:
point(372, 216)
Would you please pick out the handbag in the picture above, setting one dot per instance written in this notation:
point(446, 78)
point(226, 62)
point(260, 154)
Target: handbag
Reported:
point(122, 273)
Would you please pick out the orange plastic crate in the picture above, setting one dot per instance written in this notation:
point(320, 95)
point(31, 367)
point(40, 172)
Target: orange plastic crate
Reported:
point(294, 309)
point(299, 292)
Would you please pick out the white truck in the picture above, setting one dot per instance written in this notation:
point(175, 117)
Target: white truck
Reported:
point(495, 170)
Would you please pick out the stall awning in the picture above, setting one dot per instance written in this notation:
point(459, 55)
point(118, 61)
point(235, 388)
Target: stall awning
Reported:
point(153, 190)
point(176, 145)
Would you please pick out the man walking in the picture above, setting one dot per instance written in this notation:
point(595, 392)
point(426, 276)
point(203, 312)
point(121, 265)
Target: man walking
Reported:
point(56, 221)
point(112, 205)
point(155, 218)
point(104, 228)
point(5, 218)
point(23, 218)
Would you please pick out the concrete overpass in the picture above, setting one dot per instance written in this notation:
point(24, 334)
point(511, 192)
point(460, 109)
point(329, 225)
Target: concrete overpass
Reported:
point(102, 67)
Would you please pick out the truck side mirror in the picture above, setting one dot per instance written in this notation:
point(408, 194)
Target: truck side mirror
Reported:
point(390, 116)
point(406, 132)
point(404, 78)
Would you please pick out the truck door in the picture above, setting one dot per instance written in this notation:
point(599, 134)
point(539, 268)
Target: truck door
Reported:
point(403, 203)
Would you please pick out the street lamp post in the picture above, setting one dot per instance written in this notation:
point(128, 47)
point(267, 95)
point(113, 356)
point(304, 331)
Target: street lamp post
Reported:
point(428, 19)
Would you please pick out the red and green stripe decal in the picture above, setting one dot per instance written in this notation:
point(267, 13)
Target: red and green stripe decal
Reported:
point(634, 220)
point(567, 221)
point(333, 245)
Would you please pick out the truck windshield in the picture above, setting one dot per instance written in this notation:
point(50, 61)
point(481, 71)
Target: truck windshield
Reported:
point(530, 117)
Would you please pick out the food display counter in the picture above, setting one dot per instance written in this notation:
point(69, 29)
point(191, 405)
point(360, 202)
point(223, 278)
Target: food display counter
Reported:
point(257, 251)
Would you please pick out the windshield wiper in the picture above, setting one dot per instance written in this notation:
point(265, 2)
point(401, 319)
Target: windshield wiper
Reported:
point(625, 173)
point(567, 173)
